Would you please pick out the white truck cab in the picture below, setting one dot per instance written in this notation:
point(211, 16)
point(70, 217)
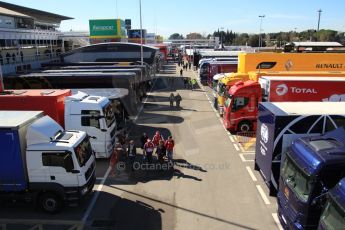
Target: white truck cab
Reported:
point(95, 116)
point(43, 163)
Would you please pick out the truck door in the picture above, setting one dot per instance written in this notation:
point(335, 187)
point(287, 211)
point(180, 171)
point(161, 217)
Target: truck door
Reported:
point(61, 167)
point(90, 123)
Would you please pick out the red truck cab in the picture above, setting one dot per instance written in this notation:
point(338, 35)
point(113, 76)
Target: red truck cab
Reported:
point(241, 108)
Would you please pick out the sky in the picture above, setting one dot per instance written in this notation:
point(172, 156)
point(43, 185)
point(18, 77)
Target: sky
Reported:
point(165, 17)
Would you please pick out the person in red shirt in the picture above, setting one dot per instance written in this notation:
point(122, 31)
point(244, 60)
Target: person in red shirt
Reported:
point(169, 145)
point(156, 138)
point(148, 150)
point(114, 158)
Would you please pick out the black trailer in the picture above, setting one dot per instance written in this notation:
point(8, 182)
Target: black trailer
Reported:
point(114, 52)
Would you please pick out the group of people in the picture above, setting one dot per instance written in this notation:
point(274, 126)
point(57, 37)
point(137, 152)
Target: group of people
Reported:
point(164, 148)
point(185, 66)
point(177, 98)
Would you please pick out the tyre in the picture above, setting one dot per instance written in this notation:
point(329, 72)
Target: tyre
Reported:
point(50, 203)
point(244, 126)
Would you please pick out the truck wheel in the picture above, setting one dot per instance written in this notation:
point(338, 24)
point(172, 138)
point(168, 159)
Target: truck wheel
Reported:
point(50, 202)
point(244, 126)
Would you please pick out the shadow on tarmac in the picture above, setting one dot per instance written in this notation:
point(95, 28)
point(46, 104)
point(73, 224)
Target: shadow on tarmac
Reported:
point(126, 214)
point(197, 213)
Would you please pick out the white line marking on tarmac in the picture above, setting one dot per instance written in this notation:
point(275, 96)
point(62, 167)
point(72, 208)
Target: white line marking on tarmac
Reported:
point(95, 196)
point(251, 174)
point(276, 220)
point(244, 159)
point(236, 147)
point(231, 139)
point(263, 195)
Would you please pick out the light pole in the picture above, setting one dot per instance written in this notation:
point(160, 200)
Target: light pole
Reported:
point(260, 39)
point(318, 23)
point(141, 36)
point(221, 37)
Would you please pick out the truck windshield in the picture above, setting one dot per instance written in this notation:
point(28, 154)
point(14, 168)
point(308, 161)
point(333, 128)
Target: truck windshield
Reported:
point(83, 151)
point(300, 183)
point(333, 216)
point(109, 114)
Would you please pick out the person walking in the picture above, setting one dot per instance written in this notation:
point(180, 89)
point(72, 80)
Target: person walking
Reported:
point(169, 145)
point(185, 83)
point(190, 65)
point(171, 100)
point(148, 150)
point(161, 151)
point(181, 72)
point(156, 138)
point(193, 83)
point(178, 100)
point(114, 158)
point(131, 153)
point(143, 140)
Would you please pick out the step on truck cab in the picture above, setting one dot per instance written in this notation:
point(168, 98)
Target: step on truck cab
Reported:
point(42, 163)
point(310, 168)
point(280, 123)
point(92, 114)
point(333, 215)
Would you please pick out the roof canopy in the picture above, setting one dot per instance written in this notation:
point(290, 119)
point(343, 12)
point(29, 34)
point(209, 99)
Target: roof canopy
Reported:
point(39, 15)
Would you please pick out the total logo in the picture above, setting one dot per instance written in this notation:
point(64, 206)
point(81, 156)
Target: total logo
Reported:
point(283, 89)
point(264, 133)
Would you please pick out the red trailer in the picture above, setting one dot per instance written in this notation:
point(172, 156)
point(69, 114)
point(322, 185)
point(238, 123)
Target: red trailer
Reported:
point(51, 101)
point(210, 68)
point(241, 108)
point(163, 49)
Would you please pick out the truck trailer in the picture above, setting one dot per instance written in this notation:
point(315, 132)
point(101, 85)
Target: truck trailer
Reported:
point(211, 68)
point(42, 163)
point(266, 62)
point(241, 108)
point(280, 123)
point(79, 81)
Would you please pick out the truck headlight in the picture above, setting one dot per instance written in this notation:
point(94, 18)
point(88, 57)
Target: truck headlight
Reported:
point(83, 191)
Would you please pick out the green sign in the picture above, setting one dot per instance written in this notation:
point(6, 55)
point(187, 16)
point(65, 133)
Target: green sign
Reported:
point(107, 28)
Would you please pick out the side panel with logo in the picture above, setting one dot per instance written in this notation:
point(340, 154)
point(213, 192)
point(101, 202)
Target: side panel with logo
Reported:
point(264, 141)
point(286, 90)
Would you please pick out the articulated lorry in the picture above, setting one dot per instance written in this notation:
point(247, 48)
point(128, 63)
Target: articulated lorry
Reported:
point(333, 215)
point(241, 107)
point(266, 62)
point(92, 114)
point(42, 163)
point(280, 123)
point(311, 166)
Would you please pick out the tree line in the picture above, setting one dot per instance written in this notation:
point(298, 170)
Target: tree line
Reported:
point(268, 39)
